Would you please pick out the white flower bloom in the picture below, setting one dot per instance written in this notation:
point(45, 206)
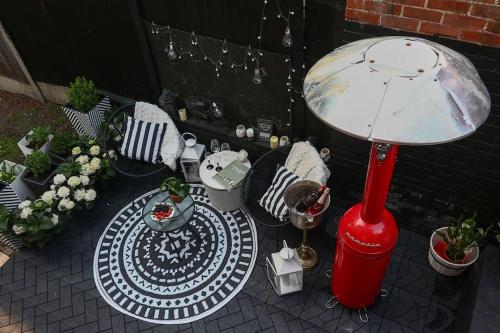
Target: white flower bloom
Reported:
point(26, 212)
point(95, 150)
point(76, 151)
point(49, 196)
point(87, 169)
point(74, 181)
point(17, 229)
point(70, 205)
point(63, 192)
point(82, 159)
point(55, 219)
point(79, 195)
point(52, 187)
point(66, 204)
point(95, 163)
point(85, 180)
point(90, 195)
point(112, 154)
point(24, 204)
point(59, 179)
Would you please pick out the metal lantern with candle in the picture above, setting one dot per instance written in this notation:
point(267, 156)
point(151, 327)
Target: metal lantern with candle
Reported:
point(191, 158)
point(391, 91)
point(284, 271)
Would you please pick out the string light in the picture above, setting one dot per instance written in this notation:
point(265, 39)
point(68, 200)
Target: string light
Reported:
point(224, 56)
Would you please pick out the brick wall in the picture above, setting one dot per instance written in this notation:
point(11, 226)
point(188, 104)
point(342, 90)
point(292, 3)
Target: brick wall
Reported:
point(476, 21)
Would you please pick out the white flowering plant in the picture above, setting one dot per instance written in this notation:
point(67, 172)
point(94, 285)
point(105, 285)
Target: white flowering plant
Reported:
point(33, 222)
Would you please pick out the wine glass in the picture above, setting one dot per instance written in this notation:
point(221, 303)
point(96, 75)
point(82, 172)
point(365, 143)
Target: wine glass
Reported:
point(225, 147)
point(214, 146)
point(210, 166)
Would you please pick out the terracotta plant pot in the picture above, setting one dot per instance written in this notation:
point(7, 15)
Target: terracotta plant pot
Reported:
point(176, 198)
point(440, 261)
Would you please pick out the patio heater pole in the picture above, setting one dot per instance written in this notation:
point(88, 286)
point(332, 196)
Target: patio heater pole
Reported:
point(390, 91)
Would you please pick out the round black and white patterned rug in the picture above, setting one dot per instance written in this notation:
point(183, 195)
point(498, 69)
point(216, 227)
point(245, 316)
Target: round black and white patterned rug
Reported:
point(176, 277)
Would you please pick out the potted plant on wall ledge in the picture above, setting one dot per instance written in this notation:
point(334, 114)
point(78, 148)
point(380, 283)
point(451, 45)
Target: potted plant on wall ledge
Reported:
point(86, 109)
point(176, 188)
point(454, 248)
point(12, 188)
point(39, 138)
point(40, 169)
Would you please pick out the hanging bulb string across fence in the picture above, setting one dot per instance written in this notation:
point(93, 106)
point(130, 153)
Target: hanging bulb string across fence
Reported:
point(254, 54)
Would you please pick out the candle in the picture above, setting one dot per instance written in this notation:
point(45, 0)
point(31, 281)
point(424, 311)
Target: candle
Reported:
point(250, 132)
point(183, 114)
point(284, 141)
point(240, 131)
point(274, 142)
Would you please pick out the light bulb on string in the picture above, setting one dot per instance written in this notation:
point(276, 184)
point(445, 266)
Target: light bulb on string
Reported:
point(257, 77)
point(170, 51)
point(287, 40)
point(224, 47)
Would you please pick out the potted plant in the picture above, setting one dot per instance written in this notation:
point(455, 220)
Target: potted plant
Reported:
point(176, 188)
point(34, 222)
point(61, 146)
point(40, 168)
point(85, 109)
point(12, 188)
point(39, 138)
point(452, 249)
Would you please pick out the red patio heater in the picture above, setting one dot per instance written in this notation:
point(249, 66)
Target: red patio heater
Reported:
point(391, 91)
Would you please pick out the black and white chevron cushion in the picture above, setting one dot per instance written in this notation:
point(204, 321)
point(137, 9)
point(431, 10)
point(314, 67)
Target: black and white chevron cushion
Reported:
point(143, 140)
point(273, 200)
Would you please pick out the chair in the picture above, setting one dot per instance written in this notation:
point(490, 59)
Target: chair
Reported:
point(257, 181)
point(113, 139)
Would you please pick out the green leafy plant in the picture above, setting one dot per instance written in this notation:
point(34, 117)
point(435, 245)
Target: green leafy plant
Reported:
point(69, 168)
point(175, 187)
point(5, 218)
point(462, 236)
point(38, 137)
point(35, 223)
point(7, 175)
point(82, 94)
point(62, 143)
point(38, 163)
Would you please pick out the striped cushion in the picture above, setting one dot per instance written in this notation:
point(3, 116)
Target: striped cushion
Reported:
point(143, 140)
point(273, 200)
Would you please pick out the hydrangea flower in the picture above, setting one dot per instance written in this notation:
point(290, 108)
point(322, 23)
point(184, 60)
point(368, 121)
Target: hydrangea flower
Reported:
point(82, 159)
point(90, 195)
point(18, 229)
point(59, 179)
point(85, 180)
point(79, 195)
point(95, 150)
point(87, 169)
point(49, 196)
point(95, 163)
point(66, 204)
point(24, 204)
point(76, 151)
point(26, 212)
point(63, 192)
point(74, 181)
point(55, 219)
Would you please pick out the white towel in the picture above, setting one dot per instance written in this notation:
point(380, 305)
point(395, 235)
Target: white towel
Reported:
point(305, 162)
point(172, 145)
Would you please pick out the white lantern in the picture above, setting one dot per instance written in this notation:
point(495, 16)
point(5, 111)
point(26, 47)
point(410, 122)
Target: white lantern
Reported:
point(190, 162)
point(284, 271)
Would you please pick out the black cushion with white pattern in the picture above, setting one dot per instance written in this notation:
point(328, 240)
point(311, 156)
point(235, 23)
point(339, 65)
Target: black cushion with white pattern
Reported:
point(143, 140)
point(273, 200)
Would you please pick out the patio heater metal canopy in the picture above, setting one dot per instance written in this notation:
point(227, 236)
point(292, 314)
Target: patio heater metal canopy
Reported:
point(390, 91)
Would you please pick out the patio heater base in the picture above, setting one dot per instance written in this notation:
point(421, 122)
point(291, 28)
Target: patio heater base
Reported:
point(366, 236)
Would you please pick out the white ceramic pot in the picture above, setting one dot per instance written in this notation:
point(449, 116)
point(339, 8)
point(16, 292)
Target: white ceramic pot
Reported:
point(445, 267)
point(23, 145)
